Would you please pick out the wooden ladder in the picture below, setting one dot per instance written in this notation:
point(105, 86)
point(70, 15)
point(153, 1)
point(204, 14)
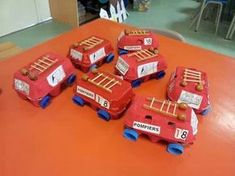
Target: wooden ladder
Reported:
point(143, 54)
point(42, 64)
point(91, 42)
point(165, 107)
point(137, 32)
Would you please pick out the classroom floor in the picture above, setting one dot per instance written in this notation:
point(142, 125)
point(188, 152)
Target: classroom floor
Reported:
point(163, 14)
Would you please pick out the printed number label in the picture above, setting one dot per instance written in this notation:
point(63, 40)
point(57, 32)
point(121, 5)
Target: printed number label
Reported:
point(56, 76)
point(148, 41)
point(97, 55)
point(103, 102)
point(122, 66)
point(76, 54)
point(147, 69)
point(181, 134)
point(191, 99)
point(22, 86)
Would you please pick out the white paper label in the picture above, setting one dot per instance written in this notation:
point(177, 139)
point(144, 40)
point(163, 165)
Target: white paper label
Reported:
point(147, 69)
point(181, 134)
point(193, 100)
point(85, 92)
point(194, 122)
point(122, 66)
point(103, 102)
point(76, 54)
point(133, 48)
point(146, 127)
point(148, 41)
point(97, 55)
point(22, 86)
point(56, 76)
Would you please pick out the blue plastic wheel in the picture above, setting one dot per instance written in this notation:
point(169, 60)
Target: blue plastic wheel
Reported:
point(78, 100)
point(206, 111)
point(92, 67)
point(160, 74)
point(122, 52)
point(45, 101)
point(109, 58)
point(136, 83)
point(176, 149)
point(71, 79)
point(130, 134)
point(104, 114)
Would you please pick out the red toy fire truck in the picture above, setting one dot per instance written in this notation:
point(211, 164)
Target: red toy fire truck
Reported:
point(175, 123)
point(91, 53)
point(43, 78)
point(141, 66)
point(190, 86)
point(104, 92)
point(134, 40)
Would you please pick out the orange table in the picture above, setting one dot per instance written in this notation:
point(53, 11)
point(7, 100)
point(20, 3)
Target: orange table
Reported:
point(67, 140)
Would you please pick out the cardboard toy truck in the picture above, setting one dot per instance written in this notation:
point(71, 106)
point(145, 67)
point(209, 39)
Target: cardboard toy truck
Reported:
point(44, 78)
point(141, 66)
point(173, 122)
point(134, 40)
point(91, 53)
point(104, 92)
point(190, 86)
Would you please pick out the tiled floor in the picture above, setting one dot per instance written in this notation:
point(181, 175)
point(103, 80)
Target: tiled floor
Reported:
point(163, 14)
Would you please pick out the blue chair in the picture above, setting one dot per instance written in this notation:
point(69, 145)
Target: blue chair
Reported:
point(205, 4)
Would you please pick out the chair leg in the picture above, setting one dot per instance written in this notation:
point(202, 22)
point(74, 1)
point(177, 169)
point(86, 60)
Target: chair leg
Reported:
point(232, 32)
point(218, 18)
point(230, 28)
point(204, 5)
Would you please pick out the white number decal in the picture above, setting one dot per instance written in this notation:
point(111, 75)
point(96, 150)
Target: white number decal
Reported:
point(181, 134)
point(56, 76)
point(103, 102)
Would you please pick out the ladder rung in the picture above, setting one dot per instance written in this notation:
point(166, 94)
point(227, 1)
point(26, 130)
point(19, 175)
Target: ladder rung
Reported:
point(50, 60)
point(39, 65)
point(168, 107)
point(192, 71)
point(35, 67)
point(112, 84)
point(195, 77)
point(105, 78)
point(95, 78)
point(192, 80)
point(151, 105)
point(163, 103)
point(159, 111)
point(46, 63)
point(108, 82)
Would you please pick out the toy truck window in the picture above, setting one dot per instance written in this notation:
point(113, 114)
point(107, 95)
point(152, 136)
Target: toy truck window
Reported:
point(122, 66)
point(22, 86)
point(56, 76)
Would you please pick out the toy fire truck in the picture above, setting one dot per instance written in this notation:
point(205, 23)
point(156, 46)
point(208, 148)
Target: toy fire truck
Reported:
point(134, 40)
point(91, 53)
point(141, 66)
point(43, 78)
point(104, 92)
point(175, 123)
point(190, 86)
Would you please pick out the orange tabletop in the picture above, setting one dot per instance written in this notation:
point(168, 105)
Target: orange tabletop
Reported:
point(67, 140)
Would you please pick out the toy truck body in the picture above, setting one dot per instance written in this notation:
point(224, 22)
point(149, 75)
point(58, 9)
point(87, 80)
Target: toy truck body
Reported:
point(161, 120)
point(134, 40)
point(190, 86)
point(43, 78)
point(104, 92)
point(141, 66)
point(91, 53)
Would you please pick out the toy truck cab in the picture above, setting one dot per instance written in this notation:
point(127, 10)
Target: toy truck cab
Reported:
point(43, 78)
point(134, 40)
point(91, 53)
point(141, 66)
point(175, 123)
point(104, 92)
point(190, 86)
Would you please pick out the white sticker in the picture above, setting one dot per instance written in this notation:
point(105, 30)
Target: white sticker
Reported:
point(193, 100)
point(148, 41)
point(146, 127)
point(194, 122)
point(22, 86)
point(56, 76)
point(85, 92)
point(103, 102)
point(133, 48)
point(76, 54)
point(147, 69)
point(181, 134)
point(97, 55)
point(122, 66)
